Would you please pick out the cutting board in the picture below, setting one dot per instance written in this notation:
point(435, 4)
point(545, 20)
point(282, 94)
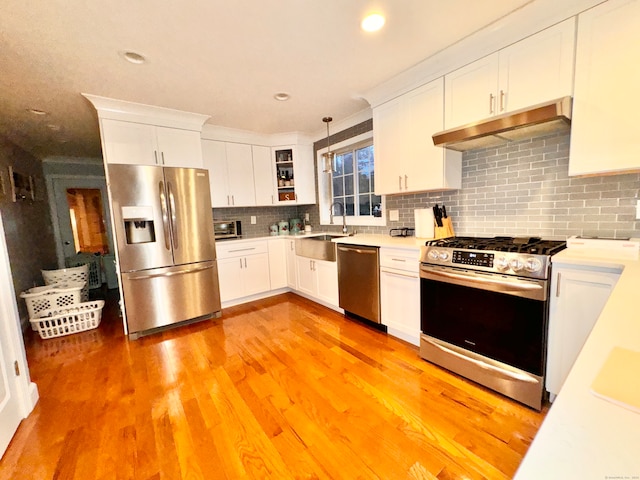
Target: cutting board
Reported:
point(617, 380)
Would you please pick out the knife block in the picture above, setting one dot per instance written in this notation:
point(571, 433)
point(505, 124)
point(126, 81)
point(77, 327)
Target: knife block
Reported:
point(446, 230)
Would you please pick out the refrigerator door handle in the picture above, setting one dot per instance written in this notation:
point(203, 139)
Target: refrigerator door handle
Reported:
point(165, 216)
point(174, 220)
point(170, 274)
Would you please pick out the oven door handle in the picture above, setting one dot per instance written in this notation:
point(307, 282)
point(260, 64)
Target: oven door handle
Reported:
point(523, 377)
point(514, 285)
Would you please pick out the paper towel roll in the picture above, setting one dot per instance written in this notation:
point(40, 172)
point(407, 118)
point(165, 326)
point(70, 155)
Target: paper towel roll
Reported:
point(424, 222)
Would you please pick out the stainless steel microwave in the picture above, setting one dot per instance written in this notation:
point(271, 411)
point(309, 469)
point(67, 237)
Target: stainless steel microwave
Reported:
point(223, 229)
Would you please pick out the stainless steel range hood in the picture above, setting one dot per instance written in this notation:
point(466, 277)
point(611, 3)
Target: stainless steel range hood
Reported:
point(541, 119)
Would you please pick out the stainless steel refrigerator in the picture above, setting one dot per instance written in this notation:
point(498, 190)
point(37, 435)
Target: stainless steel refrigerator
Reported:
point(165, 245)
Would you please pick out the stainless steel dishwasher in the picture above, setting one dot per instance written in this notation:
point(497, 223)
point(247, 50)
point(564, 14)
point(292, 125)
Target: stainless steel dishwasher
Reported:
point(359, 281)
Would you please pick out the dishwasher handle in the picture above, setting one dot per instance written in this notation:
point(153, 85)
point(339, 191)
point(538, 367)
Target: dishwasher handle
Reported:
point(367, 250)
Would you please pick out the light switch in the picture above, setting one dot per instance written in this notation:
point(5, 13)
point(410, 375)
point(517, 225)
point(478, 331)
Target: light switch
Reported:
point(394, 215)
point(253, 219)
point(306, 216)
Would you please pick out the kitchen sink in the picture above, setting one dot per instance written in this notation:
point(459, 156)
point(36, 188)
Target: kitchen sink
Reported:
point(318, 247)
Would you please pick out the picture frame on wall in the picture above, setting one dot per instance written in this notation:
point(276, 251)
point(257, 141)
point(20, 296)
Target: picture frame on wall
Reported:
point(21, 186)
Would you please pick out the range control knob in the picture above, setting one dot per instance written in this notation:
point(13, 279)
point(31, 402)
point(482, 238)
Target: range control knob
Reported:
point(516, 264)
point(433, 255)
point(532, 264)
point(502, 264)
point(444, 256)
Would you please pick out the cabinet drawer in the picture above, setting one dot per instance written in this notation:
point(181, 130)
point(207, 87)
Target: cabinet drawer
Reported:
point(400, 259)
point(232, 249)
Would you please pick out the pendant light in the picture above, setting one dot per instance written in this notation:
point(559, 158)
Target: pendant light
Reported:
point(327, 158)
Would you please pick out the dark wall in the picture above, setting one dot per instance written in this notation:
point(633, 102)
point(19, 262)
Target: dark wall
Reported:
point(27, 223)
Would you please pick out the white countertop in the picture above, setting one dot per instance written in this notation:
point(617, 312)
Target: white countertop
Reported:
point(358, 239)
point(583, 436)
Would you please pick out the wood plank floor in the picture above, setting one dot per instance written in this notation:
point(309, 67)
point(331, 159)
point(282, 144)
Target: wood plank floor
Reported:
point(279, 389)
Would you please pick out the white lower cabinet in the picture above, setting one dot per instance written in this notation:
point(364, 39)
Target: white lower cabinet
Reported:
point(292, 274)
point(278, 263)
point(400, 293)
point(318, 279)
point(243, 269)
point(578, 295)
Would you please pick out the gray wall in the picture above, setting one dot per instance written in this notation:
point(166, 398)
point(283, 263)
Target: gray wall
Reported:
point(27, 224)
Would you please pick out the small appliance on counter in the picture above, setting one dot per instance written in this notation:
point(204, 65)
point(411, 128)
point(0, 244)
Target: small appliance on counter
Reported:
point(225, 229)
point(401, 232)
point(614, 247)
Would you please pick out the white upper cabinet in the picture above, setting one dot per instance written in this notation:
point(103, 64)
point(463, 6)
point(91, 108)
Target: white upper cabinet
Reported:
point(294, 174)
point(140, 134)
point(531, 71)
point(263, 176)
point(405, 158)
point(230, 168)
point(606, 99)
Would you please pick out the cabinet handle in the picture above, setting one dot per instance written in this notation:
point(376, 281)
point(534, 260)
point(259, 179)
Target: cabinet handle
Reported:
point(558, 286)
point(502, 100)
point(291, 245)
point(162, 155)
point(233, 200)
point(399, 182)
point(405, 182)
point(491, 97)
point(228, 201)
point(240, 262)
point(155, 157)
point(272, 202)
point(245, 262)
point(398, 260)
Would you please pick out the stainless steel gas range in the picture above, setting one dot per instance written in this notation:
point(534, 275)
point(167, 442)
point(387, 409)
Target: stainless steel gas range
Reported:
point(484, 311)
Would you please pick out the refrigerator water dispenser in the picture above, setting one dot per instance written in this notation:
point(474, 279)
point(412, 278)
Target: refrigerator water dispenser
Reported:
point(138, 224)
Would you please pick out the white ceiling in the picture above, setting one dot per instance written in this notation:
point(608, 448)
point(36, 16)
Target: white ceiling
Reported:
point(223, 58)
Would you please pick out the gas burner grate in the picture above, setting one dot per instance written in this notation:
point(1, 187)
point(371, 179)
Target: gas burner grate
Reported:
point(529, 245)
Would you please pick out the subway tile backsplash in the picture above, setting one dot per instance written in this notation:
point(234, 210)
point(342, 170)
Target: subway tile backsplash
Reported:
point(520, 188)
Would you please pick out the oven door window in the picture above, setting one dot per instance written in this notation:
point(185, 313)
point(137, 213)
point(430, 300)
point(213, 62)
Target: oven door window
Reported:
point(503, 327)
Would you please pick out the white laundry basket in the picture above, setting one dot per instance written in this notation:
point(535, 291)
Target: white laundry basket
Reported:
point(39, 299)
point(95, 267)
point(66, 275)
point(65, 321)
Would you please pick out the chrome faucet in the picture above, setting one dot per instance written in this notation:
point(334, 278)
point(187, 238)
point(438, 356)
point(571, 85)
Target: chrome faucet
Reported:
point(344, 216)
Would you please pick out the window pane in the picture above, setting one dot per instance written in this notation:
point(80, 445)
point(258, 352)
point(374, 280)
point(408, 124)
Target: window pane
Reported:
point(348, 184)
point(338, 165)
point(348, 162)
point(376, 201)
point(349, 206)
point(365, 205)
point(338, 190)
point(363, 183)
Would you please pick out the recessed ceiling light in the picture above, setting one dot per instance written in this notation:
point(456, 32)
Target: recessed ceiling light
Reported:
point(53, 127)
point(35, 111)
point(134, 57)
point(372, 22)
point(282, 96)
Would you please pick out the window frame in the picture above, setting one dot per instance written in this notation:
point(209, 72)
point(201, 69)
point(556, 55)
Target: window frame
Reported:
point(325, 186)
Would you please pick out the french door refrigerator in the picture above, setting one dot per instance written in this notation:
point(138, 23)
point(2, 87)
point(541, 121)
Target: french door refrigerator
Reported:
point(165, 246)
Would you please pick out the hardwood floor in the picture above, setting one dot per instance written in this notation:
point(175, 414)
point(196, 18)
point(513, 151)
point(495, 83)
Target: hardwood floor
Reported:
point(281, 388)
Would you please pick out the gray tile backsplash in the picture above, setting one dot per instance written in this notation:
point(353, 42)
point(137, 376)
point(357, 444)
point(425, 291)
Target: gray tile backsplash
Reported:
point(519, 188)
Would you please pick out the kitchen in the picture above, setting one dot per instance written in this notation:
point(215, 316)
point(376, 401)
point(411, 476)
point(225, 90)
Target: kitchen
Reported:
point(472, 207)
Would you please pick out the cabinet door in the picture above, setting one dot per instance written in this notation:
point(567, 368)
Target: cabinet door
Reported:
point(214, 155)
point(304, 175)
point(327, 278)
point(388, 148)
point(470, 92)
point(127, 142)
point(606, 95)
point(240, 169)
point(231, 279)
point(255, 274)
point(278, 263)
point(263, 175)
point(306, 276)
point(537, 69)
point(400, 304)
point(577, 298)
point(292, 276)
point(179, 148)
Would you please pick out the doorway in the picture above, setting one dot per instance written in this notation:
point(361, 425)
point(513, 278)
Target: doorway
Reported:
point(81, 217)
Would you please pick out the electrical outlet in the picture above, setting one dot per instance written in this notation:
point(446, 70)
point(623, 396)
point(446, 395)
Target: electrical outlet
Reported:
point(253, 219)
point(637, 209)
point(306, 216)
point(394, 215)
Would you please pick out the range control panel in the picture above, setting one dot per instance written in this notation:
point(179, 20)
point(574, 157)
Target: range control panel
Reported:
point(478, 259)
